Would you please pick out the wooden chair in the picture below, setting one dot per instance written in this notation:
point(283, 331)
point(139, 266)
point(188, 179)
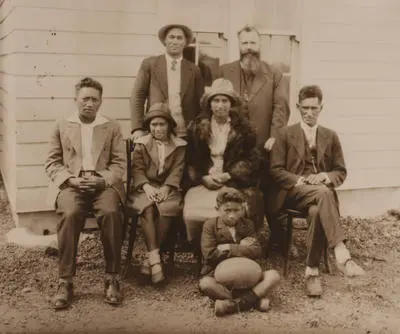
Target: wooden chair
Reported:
point(130, 217)
point(290, 214)
point(131, 222)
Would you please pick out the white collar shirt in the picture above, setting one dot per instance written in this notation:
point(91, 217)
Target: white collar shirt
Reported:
point(87, 139)
point(310, 133)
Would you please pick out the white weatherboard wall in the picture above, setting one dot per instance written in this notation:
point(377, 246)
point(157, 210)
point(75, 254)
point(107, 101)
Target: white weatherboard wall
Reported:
point(47, 46)
point(351, 49)
point(7, 114)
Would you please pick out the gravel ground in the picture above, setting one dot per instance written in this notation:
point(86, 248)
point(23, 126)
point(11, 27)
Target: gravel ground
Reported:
point(363, 305)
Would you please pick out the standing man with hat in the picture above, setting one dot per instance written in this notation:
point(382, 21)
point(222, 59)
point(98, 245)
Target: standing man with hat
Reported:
point(265, 99)
point(168, 78)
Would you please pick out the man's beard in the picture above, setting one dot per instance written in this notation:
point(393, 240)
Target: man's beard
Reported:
point(250, 62)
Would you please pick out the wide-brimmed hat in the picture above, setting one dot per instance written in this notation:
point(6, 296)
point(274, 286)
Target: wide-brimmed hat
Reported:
point(186, 30)
point(158, 110)
point(220, 86)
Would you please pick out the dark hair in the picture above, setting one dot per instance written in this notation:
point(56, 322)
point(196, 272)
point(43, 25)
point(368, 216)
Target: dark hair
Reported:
point(89, 82)
point(248, 28)
point(230, 195)
point(171, 128)
point(181, 29)
point(311, 91)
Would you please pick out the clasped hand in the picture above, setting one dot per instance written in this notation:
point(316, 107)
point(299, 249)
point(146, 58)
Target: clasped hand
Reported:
point(313, 179)
point(156, 195)
point(224, 247)
point(88, 183)
point(216, 181)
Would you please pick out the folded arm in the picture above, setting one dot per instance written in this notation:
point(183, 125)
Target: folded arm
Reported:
point(209, 245)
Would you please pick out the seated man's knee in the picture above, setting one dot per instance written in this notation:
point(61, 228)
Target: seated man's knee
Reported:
point(312, 211)
point(324, 192)
point(206, 284)
point(110, 208)
point(110, 211)
point(72, 212)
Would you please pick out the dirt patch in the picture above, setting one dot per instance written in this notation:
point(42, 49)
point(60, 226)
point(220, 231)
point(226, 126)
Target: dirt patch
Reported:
point(364, 305)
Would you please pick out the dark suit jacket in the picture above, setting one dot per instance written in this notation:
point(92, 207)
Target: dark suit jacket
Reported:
point(268, 101)
point(151, 85)
point(215, 233)
point(288, 158)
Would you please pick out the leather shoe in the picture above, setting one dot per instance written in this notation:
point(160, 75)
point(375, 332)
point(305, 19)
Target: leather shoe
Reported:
point(63, 297)
point(350, 268)
point(112, 293)
point(313, 286)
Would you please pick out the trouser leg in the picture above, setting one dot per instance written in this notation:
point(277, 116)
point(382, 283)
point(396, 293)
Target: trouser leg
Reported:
point(164, 225)
point(72, 210)
point(106, 207)
point(323, 219)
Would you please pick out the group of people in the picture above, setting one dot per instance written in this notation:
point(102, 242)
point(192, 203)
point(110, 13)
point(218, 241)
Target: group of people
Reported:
point(220, 156)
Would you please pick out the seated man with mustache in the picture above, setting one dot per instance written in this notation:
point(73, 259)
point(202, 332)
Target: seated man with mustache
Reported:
point(265, 97)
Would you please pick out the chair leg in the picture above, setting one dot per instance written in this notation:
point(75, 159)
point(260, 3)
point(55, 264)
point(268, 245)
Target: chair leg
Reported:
point(169, 246)
point(197, 255)
point(327, 262)
point(124, 225)
point(171, 262)
point(199, 263)
point(288, 244)
point(132, 238)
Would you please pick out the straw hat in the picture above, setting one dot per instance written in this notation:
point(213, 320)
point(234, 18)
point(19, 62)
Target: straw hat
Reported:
point(186, 30)
point(158, 110)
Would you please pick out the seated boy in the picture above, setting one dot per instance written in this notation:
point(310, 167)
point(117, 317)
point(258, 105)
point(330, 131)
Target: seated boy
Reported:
point(231, 234)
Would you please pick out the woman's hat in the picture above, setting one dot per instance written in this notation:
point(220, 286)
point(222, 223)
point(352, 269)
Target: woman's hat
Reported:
point(220, 86)
point(186, 30)
point(158, 110)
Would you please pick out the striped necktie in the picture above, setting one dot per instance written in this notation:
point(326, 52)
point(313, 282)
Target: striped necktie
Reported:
point(174, 62)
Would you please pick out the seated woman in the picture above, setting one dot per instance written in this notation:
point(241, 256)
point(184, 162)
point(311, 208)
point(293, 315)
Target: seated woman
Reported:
point(221, 152)
point(158, 162)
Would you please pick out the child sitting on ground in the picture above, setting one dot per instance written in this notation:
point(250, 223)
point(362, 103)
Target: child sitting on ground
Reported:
point(232, 235)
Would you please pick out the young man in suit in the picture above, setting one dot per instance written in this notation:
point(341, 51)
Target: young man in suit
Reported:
point(85, 163)
point(168, 78)
point(307, 162)
point(265, 97)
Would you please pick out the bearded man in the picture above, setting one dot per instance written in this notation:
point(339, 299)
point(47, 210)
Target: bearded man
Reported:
point(265, 100)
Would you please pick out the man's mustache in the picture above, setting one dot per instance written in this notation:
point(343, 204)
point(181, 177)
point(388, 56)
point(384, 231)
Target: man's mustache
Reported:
point(250, 52)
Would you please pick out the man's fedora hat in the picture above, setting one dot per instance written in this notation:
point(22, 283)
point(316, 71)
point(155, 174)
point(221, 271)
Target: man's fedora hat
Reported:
point(186, 30)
